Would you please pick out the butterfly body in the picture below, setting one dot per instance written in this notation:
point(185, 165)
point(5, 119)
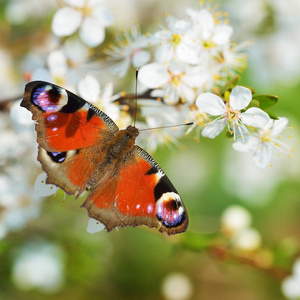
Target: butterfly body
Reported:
point(81, 148)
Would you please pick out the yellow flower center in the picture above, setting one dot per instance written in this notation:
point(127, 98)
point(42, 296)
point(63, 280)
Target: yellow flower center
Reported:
point(176, 79)
point(86, 10)
point(265, 136)
point(208, 44)
point(175, 41)
point(232, 115)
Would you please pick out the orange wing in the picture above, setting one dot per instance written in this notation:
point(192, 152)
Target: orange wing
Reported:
point(137, 193)
point(72, 134)
point(64, 120)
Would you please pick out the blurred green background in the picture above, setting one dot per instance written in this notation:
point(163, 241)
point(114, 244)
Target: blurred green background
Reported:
point(140, 263)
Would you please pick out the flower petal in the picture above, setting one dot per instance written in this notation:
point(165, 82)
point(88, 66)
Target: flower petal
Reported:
point(195, 77)
point(66, 21)
point(89, 88)
point(91, 33)
point(75, 3)
point(279, 126)
point(240, 97)
point(153, 75)
point(263, 155)
point(41, 188)
point(100, 14)
point(57, 63)
point(121, 68)
point(94, 226)
point(171, 95)
point(213, 129)
point(187, 93)
point(211, 104)
point(291, 287)
point(188, 53)
point(164, 53)
point(248, 144)
point(222, 34)
point(255, 117)
point(107, 93)
point(140, 58)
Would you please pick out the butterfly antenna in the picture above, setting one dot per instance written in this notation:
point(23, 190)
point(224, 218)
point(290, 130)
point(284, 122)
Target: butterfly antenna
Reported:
point(170, 126)
point(135, 107)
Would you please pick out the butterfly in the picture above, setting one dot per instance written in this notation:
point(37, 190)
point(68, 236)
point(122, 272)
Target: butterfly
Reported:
point(81, 148)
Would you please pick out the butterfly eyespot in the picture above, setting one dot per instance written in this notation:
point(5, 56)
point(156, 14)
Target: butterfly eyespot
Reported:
point(169, 209)
point(49, 98)
point(57, 157)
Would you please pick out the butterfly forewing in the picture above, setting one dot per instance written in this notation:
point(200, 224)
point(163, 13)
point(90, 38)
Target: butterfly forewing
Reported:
point(64, 120)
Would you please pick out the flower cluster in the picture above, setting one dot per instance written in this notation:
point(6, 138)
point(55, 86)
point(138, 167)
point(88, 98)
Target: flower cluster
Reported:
point(236, 224)
point(18, 202)
point(192, 56)
point(252, 128)
point(291, 284)
point(39, 266)
point(90, 17)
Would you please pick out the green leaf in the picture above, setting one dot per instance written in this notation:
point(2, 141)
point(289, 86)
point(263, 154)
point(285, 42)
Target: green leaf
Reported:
point(272, 116)
point(253, 103)
point(198, 241)
point(229, 85)
point(265, 101)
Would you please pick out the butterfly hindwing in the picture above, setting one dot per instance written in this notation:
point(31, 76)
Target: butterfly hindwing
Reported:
point(138, 193)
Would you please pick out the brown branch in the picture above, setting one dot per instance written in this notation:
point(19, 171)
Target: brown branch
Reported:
point(6, 103)
point(224, 254)
point(145, 95)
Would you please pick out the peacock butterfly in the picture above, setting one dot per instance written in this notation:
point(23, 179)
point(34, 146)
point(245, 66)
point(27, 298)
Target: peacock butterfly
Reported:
point(81, 148)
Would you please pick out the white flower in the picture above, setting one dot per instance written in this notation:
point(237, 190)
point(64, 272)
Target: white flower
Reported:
point(248, 239)
point(174, 43)
point(157, 114)
point(128, 49)
point(235, 223)
point(57, 64)
point(265, 142)
point(90, 16)
point(177, 286)
point(291, 285)
point(209, 33)
point(230, 113)
point(198, 118)
point(235, 219)
point(172, 81)
point(39, 266)
point(17, 201)
point(90, 90)
point(57, 70)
